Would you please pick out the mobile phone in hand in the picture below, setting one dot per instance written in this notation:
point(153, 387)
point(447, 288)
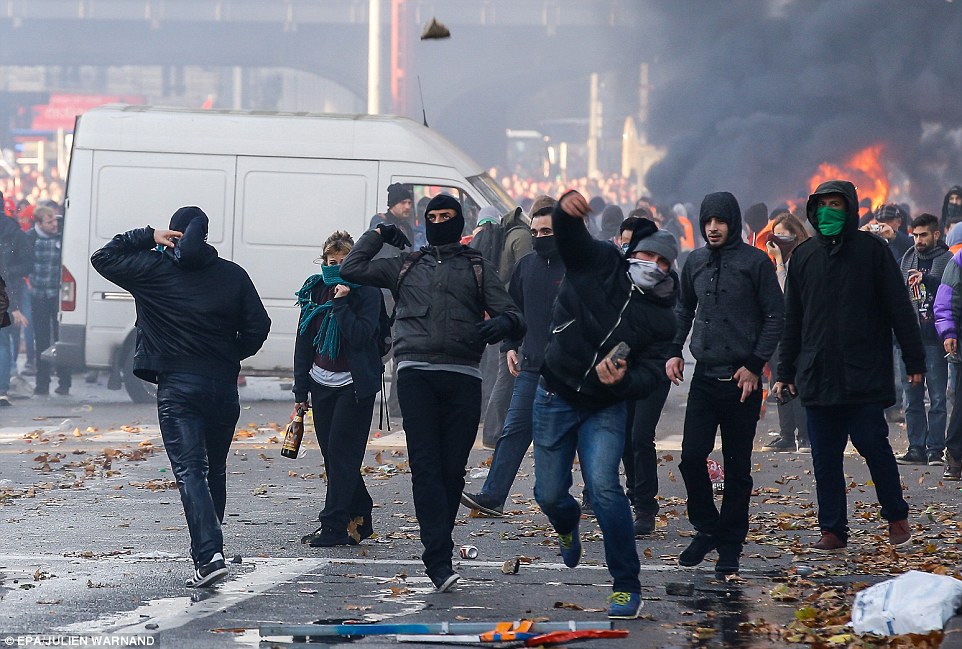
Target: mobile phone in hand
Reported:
point(785, 396)
point(618, 354)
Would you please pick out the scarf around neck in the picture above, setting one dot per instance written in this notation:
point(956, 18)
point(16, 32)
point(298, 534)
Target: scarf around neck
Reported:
point(327, 342)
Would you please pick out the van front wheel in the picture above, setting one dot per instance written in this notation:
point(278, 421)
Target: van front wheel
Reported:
point(140, 391)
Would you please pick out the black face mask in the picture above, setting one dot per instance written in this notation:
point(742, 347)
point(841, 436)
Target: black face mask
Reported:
point(954, 212)
point(446, 232)
point(547, 247)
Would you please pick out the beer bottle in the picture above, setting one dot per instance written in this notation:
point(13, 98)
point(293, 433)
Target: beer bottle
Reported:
point(294, 435)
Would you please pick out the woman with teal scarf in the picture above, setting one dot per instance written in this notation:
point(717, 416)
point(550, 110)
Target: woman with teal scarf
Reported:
point(337, 372)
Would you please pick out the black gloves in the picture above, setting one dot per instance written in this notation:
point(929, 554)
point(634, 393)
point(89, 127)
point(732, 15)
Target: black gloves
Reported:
point(393, 236)
point(495, 329)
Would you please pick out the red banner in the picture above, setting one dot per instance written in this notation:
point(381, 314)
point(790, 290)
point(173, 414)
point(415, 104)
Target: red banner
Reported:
point(63, 108)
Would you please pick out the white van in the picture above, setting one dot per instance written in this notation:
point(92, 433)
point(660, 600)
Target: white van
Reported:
point(274, 185)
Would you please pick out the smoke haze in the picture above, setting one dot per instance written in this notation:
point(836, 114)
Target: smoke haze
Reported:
point(751, 96)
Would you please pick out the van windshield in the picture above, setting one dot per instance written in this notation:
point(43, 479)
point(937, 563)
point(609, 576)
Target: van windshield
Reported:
point(492, 192)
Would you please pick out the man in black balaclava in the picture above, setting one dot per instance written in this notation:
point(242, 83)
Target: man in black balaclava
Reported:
point(442, 293)
point(198, 317)
point(444, 223)
point(533, 286)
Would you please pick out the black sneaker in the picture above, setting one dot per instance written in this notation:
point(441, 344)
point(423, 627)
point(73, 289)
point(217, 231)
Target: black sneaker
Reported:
point(644, 524)
point(483, 503)
point(953, 470)
point(727, 563)
point(208, 574)
point(780, 444)
point(41, 391)
point(445, 582)
point(935, 459)
point(321, 538)
point(5, 401)
point(695, 553)
point(62, 390)
point(364, 526)
point(912, 456)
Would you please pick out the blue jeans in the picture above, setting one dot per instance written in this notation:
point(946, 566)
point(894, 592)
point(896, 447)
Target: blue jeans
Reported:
point(928, 434)
point(197, 418)
point(6, 358)
point(829, 428)
point(514, 440)
point(598, 436)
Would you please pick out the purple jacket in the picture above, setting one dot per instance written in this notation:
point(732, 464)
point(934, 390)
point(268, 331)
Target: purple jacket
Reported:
point(948, 300)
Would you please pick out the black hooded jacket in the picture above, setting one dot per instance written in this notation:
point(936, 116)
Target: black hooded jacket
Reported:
point(843, 298)
point(534, 286)
point(729, 299)
point(598, 307)
point(945, 221)
point(196, 313)
point(16, 259)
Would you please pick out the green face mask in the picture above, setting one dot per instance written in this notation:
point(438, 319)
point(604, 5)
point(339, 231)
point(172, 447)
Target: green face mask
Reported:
point(830, 220)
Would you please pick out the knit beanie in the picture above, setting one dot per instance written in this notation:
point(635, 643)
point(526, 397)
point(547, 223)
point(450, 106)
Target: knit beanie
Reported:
point(540, 203)
point(661, 242)
point(489, 214)
point(397, 193)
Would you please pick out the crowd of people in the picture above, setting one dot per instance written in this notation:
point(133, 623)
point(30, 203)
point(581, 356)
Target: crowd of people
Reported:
point(30, 260)
point(588, 312)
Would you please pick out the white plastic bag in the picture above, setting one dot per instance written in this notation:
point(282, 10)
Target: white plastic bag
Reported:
point(915, 602)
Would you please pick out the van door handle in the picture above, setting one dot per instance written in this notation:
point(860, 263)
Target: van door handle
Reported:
point(116, 296)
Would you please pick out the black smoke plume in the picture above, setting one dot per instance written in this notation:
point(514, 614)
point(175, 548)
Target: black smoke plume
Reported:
point(750, 96)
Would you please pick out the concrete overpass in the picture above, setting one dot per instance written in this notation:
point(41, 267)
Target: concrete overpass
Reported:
point(501, 51)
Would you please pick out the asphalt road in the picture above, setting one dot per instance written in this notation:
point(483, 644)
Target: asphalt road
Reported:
point(93, 539)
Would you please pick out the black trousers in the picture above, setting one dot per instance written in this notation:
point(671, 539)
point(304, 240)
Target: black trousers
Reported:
point(197, 418)
point(441, 413)
point(45, 328)
point(714, 404)
point(342, 424)
point(640, 459)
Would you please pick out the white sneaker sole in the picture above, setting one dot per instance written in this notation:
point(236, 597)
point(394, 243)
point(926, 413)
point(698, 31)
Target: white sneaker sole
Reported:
point(637, 614)
point(208, 580)
point(448, 583)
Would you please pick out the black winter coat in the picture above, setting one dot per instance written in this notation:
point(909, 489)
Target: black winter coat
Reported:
point(199, 314)
point(597, 307)
point(358, 317)
point(439, 306)
point(16, 259)
point(843, 298)
point(534, 286)
point(729, 299)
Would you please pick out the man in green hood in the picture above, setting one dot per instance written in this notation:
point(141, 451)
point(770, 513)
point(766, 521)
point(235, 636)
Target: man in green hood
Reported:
point(836, 355)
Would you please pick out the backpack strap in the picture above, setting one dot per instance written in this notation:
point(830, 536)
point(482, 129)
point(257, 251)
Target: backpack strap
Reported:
point(406, 265)
point(477, 266)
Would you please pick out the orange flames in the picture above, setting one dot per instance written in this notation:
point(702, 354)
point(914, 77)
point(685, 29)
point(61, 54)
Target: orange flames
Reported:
point(864, 169)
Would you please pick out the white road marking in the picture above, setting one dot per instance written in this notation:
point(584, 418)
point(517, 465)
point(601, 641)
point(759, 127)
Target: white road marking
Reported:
point(268, 573)
point(173, 612)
